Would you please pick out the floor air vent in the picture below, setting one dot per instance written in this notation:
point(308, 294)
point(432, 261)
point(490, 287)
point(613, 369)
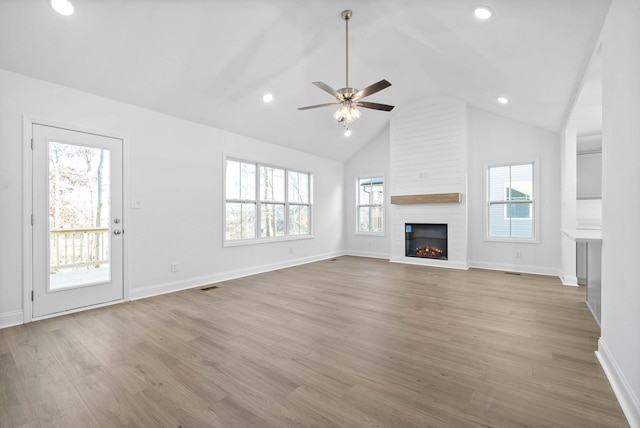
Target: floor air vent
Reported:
point(512, 273)
point(212, 287)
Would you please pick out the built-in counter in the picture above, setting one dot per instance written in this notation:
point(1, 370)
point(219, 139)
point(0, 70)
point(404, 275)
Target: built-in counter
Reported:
point(593, 261)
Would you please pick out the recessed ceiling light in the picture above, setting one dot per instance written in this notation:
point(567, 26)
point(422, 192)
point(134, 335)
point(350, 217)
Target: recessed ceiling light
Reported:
point(267, 98)
point(347, 132)
point(483, 12)
point(63, 7)
point(502, 100)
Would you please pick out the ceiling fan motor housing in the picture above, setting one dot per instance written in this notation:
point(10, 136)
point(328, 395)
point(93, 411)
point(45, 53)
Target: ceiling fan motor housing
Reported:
point(347, 93)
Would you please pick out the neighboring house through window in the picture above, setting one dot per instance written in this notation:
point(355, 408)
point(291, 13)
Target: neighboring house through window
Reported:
point(370, 205)
point(511, 202)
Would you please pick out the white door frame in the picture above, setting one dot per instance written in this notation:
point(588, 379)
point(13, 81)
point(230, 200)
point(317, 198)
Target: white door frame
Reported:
point(27, 183)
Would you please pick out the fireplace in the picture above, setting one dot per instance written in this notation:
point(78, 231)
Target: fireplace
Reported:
point(426, 240)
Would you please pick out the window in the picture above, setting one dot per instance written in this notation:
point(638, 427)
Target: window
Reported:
point(511, 209)
point(370, 205)
point(263, 201)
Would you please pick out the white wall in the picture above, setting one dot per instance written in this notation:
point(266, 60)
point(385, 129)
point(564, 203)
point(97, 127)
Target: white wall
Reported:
point(494, 140)
point(619, 345)
point(568, 206)
point(175, 169)
point(589, 170)
point(372, 160)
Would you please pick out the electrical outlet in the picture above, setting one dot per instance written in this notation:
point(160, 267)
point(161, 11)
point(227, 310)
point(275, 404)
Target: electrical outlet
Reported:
point(518, 254)
point(290, 250)
point(174, 267)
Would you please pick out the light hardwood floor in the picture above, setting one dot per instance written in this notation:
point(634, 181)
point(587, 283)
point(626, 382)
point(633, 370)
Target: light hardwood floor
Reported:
point(349, 342)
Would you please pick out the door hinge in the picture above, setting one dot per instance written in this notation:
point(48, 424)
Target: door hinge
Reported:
point(32, 144)
point(32, 295)
point(31, 219)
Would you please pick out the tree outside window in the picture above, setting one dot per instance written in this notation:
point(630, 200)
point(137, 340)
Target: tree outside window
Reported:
point(263, 201)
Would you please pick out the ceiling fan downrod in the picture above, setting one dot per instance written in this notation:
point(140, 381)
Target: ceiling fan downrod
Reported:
point(346, 15)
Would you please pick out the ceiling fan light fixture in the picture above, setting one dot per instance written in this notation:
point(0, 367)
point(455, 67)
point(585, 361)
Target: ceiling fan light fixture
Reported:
point(483, 12)
point(347, 113)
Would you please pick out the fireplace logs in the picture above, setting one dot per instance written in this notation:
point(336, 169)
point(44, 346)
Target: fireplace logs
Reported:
point(429, 252)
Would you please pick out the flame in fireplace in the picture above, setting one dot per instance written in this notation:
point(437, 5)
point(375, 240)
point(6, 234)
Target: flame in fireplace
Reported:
point(430, 252)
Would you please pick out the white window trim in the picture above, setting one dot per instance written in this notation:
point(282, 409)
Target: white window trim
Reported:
point(383, 205)
point(535, 202)
point(258, 239)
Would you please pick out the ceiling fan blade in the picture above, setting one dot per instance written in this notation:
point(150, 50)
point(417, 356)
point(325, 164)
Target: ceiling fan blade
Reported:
point(327, 89)
point(318, 105)
point(371, 89)
point(375, 106)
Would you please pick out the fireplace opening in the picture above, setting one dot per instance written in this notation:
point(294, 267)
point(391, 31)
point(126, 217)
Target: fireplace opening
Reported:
point(426, 240)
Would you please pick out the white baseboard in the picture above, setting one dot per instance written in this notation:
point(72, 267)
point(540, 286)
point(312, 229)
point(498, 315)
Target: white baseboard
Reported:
point(448, 264)
point(370, 254)
point(626, 397)
point(169, 287)
point(569, 280)
point(9, 319)
point(506, 267)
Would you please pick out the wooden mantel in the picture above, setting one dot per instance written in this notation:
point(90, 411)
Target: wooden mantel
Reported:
point(430, 198)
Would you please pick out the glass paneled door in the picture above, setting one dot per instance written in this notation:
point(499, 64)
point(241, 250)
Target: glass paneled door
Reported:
point(77, 220)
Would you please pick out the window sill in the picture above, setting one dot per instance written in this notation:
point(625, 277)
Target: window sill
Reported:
point(380, 234)
point(242, 242)
point(513, 240)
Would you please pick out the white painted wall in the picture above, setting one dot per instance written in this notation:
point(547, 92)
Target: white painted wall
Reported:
point(175, 169)
point(568, 188)
point(589, 172)
point(495, 140)
point(619, 345)
point(370, 161)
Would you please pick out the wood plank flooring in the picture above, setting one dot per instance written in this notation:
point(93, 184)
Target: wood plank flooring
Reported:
point(349, 342)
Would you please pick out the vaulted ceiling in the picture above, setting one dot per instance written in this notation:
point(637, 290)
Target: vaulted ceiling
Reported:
point(211, 61)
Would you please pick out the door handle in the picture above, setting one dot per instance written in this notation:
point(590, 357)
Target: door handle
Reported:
point(117, 232)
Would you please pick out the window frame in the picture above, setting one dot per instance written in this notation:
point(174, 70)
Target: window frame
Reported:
point(534, 203)
point(257, 239)
point(382, 205)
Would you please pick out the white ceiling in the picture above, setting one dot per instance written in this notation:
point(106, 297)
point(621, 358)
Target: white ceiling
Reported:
point(210, 61)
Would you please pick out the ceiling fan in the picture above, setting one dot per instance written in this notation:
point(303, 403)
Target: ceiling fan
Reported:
point(350, 98)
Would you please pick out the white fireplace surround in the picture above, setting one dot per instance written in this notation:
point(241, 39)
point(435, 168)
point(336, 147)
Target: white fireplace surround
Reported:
point(428, 156)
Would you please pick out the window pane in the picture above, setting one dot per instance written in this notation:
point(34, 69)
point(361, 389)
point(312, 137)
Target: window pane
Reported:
point(519, 211)
point(299, 220)
point(233, 180)
point(364, 222)
point(370, 219)
point(272, 219)
point(298, 187)
point(370, 191)
point(522, 227)
point(271, 184)
point(499, 226)
point(240, 180)
point(241, 221)
point(498, 182)
point(521, 182)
